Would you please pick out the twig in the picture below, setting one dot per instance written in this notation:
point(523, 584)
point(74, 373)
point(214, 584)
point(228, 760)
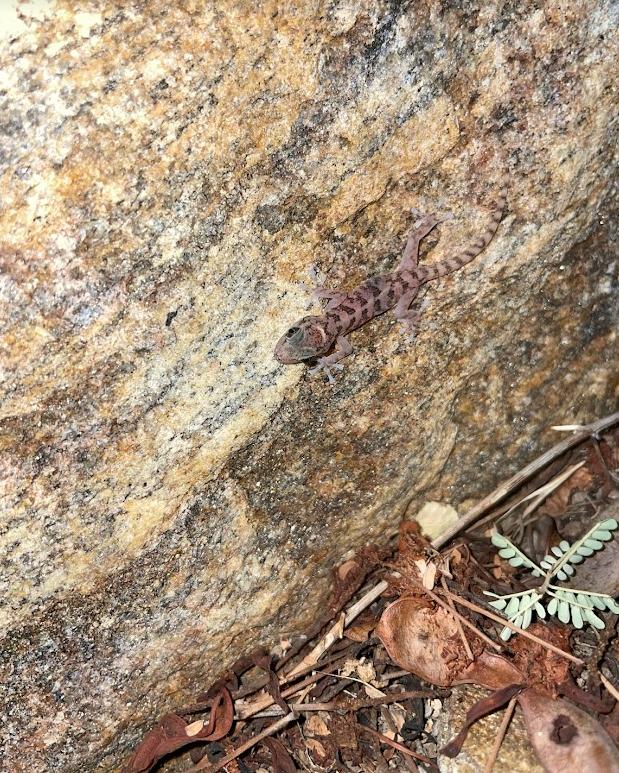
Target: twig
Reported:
point(334, 634)
point(538, 495)
point(526, 472)
point(349, 678)
point(400, 747)
point(445, 605)
point(543, 492)
point(389, 675)
point(336, 630)
point(244, 712)
point(509, 713)
point(270, 730)
point(352, 704)
point(609, 686)
point(365, 601)
point(267, 700)
point(514, 628)
point(457, 617)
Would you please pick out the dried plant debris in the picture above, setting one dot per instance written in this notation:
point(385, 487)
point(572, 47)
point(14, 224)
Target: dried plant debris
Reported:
point(362, 689)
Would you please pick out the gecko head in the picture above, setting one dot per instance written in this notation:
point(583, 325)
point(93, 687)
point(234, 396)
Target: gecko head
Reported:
point(305, 340)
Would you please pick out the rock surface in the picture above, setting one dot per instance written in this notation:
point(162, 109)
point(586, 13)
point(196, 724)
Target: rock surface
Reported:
point(515, 754)
point(169, 172)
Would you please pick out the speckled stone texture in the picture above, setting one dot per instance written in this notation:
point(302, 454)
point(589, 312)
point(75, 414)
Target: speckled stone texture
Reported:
point(168, 173)
point(516, 754)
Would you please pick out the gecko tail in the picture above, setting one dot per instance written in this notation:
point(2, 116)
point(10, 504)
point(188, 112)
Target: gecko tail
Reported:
point(447, 266)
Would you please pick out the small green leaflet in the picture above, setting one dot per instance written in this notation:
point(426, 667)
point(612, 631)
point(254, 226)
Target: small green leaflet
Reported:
point(569, 605)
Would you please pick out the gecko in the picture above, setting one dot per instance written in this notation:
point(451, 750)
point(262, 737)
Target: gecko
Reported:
point(312, 337)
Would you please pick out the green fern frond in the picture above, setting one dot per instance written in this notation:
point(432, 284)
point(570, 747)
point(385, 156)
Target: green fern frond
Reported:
point(568, 604)
point(515, 557)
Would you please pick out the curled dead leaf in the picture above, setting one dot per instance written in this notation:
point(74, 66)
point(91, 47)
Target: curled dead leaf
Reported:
point(492, 671)
point(427, 642)
point(566, 738)
point(171, 733)
point(343, 570)
point(421, 639)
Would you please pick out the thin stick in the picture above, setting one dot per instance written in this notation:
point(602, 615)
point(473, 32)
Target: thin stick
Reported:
point(538, 495)
point(352, 679)
point(543, 492)
point(514, 628)
point(351, 704)
point(609, 686)
point(463, 619)
point(400, 747)
point(509, 713)
point(365, 602)
point(336, 630)
point(263, 702)
point(334, 634)
point(516, 480)
point(205, 764)
point(457, 617)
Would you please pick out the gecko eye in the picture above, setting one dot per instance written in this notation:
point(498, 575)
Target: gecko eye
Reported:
point(292, 332)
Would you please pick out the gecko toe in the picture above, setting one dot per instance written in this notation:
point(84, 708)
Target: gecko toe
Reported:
point(410, 328)
point(327, 368)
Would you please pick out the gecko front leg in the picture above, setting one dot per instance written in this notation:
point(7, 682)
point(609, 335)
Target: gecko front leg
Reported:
point(411, 319)
point(342, 349)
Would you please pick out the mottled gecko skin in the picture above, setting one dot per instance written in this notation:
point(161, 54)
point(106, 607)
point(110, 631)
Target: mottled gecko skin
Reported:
point(313, 336)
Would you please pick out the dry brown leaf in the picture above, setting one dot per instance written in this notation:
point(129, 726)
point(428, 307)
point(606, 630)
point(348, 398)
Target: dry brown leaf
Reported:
point(170, 733)
point(566, 738)
point(456, 556)
point(362, 627)
point(421, 640)
point(315, 725)
point(316, 748)
point(558, 502)
point(426, 642)
point(346, 568)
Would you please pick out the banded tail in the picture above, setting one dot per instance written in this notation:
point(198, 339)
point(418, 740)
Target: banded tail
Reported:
point(447, 266)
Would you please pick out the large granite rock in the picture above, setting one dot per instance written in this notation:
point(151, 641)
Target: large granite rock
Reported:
point(169, 171)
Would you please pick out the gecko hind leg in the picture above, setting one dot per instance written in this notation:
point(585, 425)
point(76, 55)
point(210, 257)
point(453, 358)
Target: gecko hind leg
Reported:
point(333, 297)
point(422, 228)
point(320, 293)
point(409, 318)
